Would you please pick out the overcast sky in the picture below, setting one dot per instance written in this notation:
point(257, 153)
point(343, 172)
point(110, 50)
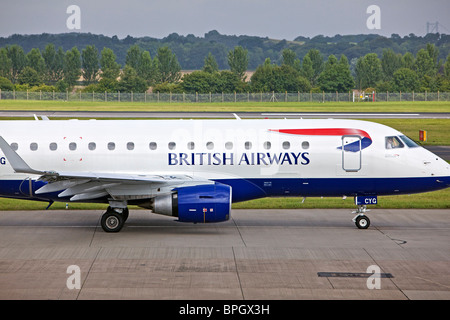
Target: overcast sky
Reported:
point(277, 19)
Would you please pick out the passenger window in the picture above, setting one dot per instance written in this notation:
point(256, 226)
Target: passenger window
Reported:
point(210, 145)
point(248, 145)
point(152, 146)
point(130, 145)
point(393, 143)
point(229, 145)
point(191, 145)
point(286, 145)
point(33, 146)
point(111, 146)
point(172, 145)
point(53, 146)
point(72, 146)
point(305, 145)
point(92, 146)
point(267, 145)
point(14, 146)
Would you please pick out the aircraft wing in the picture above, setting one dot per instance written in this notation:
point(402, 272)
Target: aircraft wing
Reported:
point(92, 185)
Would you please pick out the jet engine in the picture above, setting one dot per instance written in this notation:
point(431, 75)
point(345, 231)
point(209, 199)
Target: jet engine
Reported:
point(201, 203)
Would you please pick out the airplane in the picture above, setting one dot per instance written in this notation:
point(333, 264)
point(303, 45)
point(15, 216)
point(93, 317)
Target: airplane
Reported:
point(195, 169)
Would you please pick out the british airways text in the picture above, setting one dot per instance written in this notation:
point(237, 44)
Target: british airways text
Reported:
point(250, 159)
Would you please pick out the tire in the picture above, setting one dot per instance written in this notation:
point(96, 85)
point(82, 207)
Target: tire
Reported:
point(125, 214)
point(362, 222)
point(112, 222)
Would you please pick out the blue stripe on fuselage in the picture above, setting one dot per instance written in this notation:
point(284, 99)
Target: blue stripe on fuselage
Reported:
point(248, 189)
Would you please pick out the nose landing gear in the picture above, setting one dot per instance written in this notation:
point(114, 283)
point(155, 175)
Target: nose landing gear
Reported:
point(361, 220)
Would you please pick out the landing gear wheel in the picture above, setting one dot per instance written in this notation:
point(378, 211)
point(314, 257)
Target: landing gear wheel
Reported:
point(112, 221)
point(362, 222)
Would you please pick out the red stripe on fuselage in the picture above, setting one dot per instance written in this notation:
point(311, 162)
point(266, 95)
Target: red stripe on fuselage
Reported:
point(325, 132)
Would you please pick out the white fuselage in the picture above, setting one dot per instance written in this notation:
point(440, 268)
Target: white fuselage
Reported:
point(263, 153)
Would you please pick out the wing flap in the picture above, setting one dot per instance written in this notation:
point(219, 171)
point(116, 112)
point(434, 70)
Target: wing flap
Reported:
point(89, 195)
point(60, 185)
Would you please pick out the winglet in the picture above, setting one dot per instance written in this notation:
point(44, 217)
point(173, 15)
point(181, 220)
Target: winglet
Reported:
point(17, 163)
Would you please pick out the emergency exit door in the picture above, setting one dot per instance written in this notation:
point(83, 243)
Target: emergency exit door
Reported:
point(351, 153)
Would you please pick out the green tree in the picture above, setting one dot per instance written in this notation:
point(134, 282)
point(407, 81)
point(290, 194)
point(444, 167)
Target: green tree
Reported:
point(35, 61)
point(317, 64)
point(230, 82)
point(210, 64)
point(262, 77)
point(201, 82)
point(390, 62)
point(134, 56)
point(268, 77)
point(131, 82)
point(447, 68)
point(307, 70)
point(90, 63)
point(336, 76)
point(5, 64)
point(368, 71)
point(18, 61)
point(145, 68)
point(53, 64)
point(424, 64)
point(72, 66)
point(433, 52)
point(238, 61)
point(29, 76)
point(167, 66)
point(405, 80)
point(408, 61)
point(290, 59)
point(110, 68)
point(5, 84)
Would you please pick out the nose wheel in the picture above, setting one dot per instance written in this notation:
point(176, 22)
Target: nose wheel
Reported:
point(361, 220)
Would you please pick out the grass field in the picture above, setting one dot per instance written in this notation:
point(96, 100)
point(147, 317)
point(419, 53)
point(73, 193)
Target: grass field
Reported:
point(417, 106)
point(430, 200)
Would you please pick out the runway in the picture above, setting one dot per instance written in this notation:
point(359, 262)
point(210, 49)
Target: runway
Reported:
point(223, 115)
point(256, 255)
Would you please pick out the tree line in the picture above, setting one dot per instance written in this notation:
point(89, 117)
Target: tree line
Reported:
point(54, 69)
point(191, 50)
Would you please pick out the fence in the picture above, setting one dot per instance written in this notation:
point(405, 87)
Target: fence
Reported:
point(224, 97)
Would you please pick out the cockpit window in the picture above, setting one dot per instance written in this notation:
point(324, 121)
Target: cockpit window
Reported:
point(394, 143)
point(409, 142)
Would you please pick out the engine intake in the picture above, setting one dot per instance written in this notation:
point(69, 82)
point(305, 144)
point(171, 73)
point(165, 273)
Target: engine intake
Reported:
point(202, 203)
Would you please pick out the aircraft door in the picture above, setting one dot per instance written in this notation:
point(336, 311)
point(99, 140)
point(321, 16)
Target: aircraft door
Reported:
point(351, 153)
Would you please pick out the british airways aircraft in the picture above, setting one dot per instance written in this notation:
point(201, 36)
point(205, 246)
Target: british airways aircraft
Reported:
point(195, 169)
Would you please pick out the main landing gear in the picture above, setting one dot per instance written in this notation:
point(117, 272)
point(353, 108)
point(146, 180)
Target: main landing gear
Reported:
point(114, 219)
point(361, 220)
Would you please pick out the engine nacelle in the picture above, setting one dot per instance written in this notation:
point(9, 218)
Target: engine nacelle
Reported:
point(202, 203)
